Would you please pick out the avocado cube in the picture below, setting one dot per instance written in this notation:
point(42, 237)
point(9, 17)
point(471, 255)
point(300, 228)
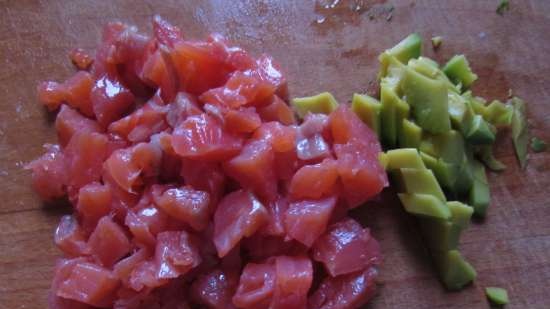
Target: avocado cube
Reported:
point(480, 132)
point(449, 146)
point(478, 170)
point(388, 126)
point(458, 70)
point(425, 205)
point(464, 180)
point(460, 214)
point(367, 109)
point(497, 296)
point(421, 181)
point(445, 173)
point(455, 272)
point(408, 48)
point(404, 158)
point(499, 114)
point(440, 235)
point(479, 197)
point(428, 99)
point(457, 109)
point(323, 103)
point(410, 135)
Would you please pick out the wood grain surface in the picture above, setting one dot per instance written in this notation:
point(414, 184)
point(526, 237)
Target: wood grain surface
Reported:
point(332, 49)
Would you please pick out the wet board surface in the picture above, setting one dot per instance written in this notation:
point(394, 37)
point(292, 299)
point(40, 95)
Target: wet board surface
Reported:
point(320, 49)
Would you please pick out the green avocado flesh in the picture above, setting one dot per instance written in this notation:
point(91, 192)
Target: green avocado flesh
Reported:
point(438, 136)
point(497, 296)
point(323, 103)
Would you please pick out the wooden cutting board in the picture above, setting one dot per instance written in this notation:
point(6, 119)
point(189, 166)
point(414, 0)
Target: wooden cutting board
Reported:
point(321, 49)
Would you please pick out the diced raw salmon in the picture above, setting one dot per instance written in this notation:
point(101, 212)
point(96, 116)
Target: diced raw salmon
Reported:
point(214, 290)
point(253, 169)
point(90, 284)
point(80, 58)
point(70, 238)
point(110, 100)
point(203, 138)
point(306, 220)
point(187, 205)
point(108, 242)
point(175, 254)
point(282, 138)
point(345, 292)
point(49, 173)
point(256, 286)
point(141, 124)
point(239, 215)
point(277, 110)
point(294, 276)
point(69, 121)
point(346, 247)
point(314, 181)
point(94, 202)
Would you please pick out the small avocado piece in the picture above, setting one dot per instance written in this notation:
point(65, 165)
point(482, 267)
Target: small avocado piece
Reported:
point(478, 170)
point(410, 135)
point(445, 173)
point(464, 181)
point(479, 197)
point(449, 146)
point(440, 235)
point(404, 158)
point(409, 48)
point(425, 66)
point(368, 110)
point(457, 110)
point(458, 70)
point(480, 132)
point(428, 99)
point(323, 103)
point(503, 5)
point(485, 154)
point(455, 272)
point(383, 160)
point(519, 130)
point(460, 214)
point(478, 105)
point(425, 205)
point(421, 181)
point(388, 125)
point(499, 114)
point(538, 145)
point(497, 296)
point(437, 41)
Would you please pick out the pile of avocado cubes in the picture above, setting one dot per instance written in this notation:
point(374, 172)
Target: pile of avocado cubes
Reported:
point(435, 131)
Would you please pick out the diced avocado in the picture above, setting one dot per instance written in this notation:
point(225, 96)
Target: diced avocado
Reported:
point(446, 173)
point(425, 205)
point(323, 103)
point(437, 41)
point(427, 146)
point(410, 135)
point(425, 66)
point(388, 125)
point(383, 159)
point(421, 181)
point(487, 157)
point(479, 197)
point(458, 70)
point(499, 114)
point(410, 47)
point(538, 145)
point(449, 146)
point(478, 105)
point(440, 235)
point(457, 109)
point(428, 99)
point(404, 158)
point(519, 130)
point(480, 132)
point(454, 270)
point(497, 296)
point(460, 214)
point(368, 110)
point(478, 170)
point(464, 180)
point(401, 113)
point(503, 5)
